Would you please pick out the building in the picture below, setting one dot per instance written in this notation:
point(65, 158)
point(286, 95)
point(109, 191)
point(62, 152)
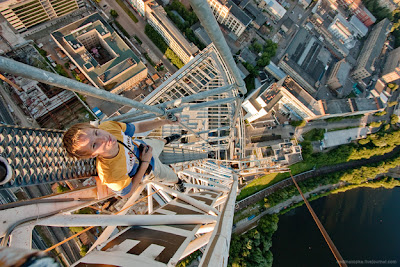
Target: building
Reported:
point(380, 90)
point(391, 71)
point(371, 50)
point(358, 9)
point(342, 30)
point(360, 30)
point(276, 72)
point(339, 74)
point(255, 13)
point(100, 54)
point(305, 3)
point(273, 8)
point(306, 60)
point(41, 100)
point(157, 18)
point(25, 14)
point(285, 97)
point(230, 15)
point(287, 153)
point(287, 100)
point(139, 6)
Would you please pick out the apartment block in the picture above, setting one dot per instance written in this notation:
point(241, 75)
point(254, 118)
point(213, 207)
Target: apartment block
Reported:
point(157, 18)
point(285, 97)
point(371, 50)
point(100, 54)
point(391, 71)
point(229, 14)
point(343, 31)
point(339, 74)
point(357, 8)
point(273, 8)
point(22, 15)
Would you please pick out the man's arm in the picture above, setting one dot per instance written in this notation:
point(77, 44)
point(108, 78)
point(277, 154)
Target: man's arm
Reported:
point(145, 157)
point(144, 126)
point(137, 178)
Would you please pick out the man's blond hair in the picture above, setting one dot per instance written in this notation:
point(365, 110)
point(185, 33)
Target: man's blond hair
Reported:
point(71, 140)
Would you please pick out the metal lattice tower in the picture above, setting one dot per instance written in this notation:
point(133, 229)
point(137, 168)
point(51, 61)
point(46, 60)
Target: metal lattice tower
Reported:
point(206, 93)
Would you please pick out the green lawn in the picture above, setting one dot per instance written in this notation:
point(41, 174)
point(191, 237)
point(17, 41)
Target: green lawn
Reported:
point(127, 11)
point(273, 178)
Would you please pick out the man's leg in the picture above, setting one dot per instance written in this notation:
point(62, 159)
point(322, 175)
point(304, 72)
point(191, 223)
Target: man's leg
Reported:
point(162, 172)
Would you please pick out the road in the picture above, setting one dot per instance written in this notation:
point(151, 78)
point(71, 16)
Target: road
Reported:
point(138, 30)
point(24, 121)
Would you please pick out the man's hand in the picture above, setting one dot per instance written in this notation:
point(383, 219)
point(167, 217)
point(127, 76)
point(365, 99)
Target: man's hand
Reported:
point(146, 153)
point(178, 120)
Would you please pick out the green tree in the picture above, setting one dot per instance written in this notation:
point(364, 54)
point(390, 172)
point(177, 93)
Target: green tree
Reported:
point(392, 103)
point(364, 141)
point(300, 123)
point(256, 47)
point(113, 13)
point(380, 113)
point(61, 189)
point(394, 119)
point(393, 86)
point(375, 124)
point(84, 249)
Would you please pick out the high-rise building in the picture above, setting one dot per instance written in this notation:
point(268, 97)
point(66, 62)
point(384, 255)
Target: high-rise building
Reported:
point(100, 54)
point(371, 50)
point(338, 75)
point(229, 14)
point(25, 14)
point(285, 97)
point(156, 16)
point(391, 71)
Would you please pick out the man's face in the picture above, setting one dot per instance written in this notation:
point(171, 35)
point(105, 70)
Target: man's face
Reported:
point(97, 142)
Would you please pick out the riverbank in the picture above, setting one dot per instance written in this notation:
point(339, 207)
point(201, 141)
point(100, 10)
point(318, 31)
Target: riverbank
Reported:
point(244, 225)
point(247, 233)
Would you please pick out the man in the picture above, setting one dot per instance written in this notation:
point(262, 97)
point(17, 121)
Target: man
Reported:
point(121, 161)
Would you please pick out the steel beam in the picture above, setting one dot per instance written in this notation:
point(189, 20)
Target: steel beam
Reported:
point(189, 200)
point(126, 220)
point(176, 102)
point(208, 21)
point(23, 70)
point(206, 187)
point(189, 107)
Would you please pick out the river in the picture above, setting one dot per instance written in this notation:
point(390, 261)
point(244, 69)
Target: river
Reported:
point(363, 223)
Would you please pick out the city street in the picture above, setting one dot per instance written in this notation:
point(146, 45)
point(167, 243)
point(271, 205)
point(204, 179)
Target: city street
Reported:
point(138, 30)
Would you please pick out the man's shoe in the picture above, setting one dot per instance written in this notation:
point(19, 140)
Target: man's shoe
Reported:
point(172, 138)
point(180, 186)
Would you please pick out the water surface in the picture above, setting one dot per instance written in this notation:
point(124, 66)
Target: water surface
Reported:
point(363, 223)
